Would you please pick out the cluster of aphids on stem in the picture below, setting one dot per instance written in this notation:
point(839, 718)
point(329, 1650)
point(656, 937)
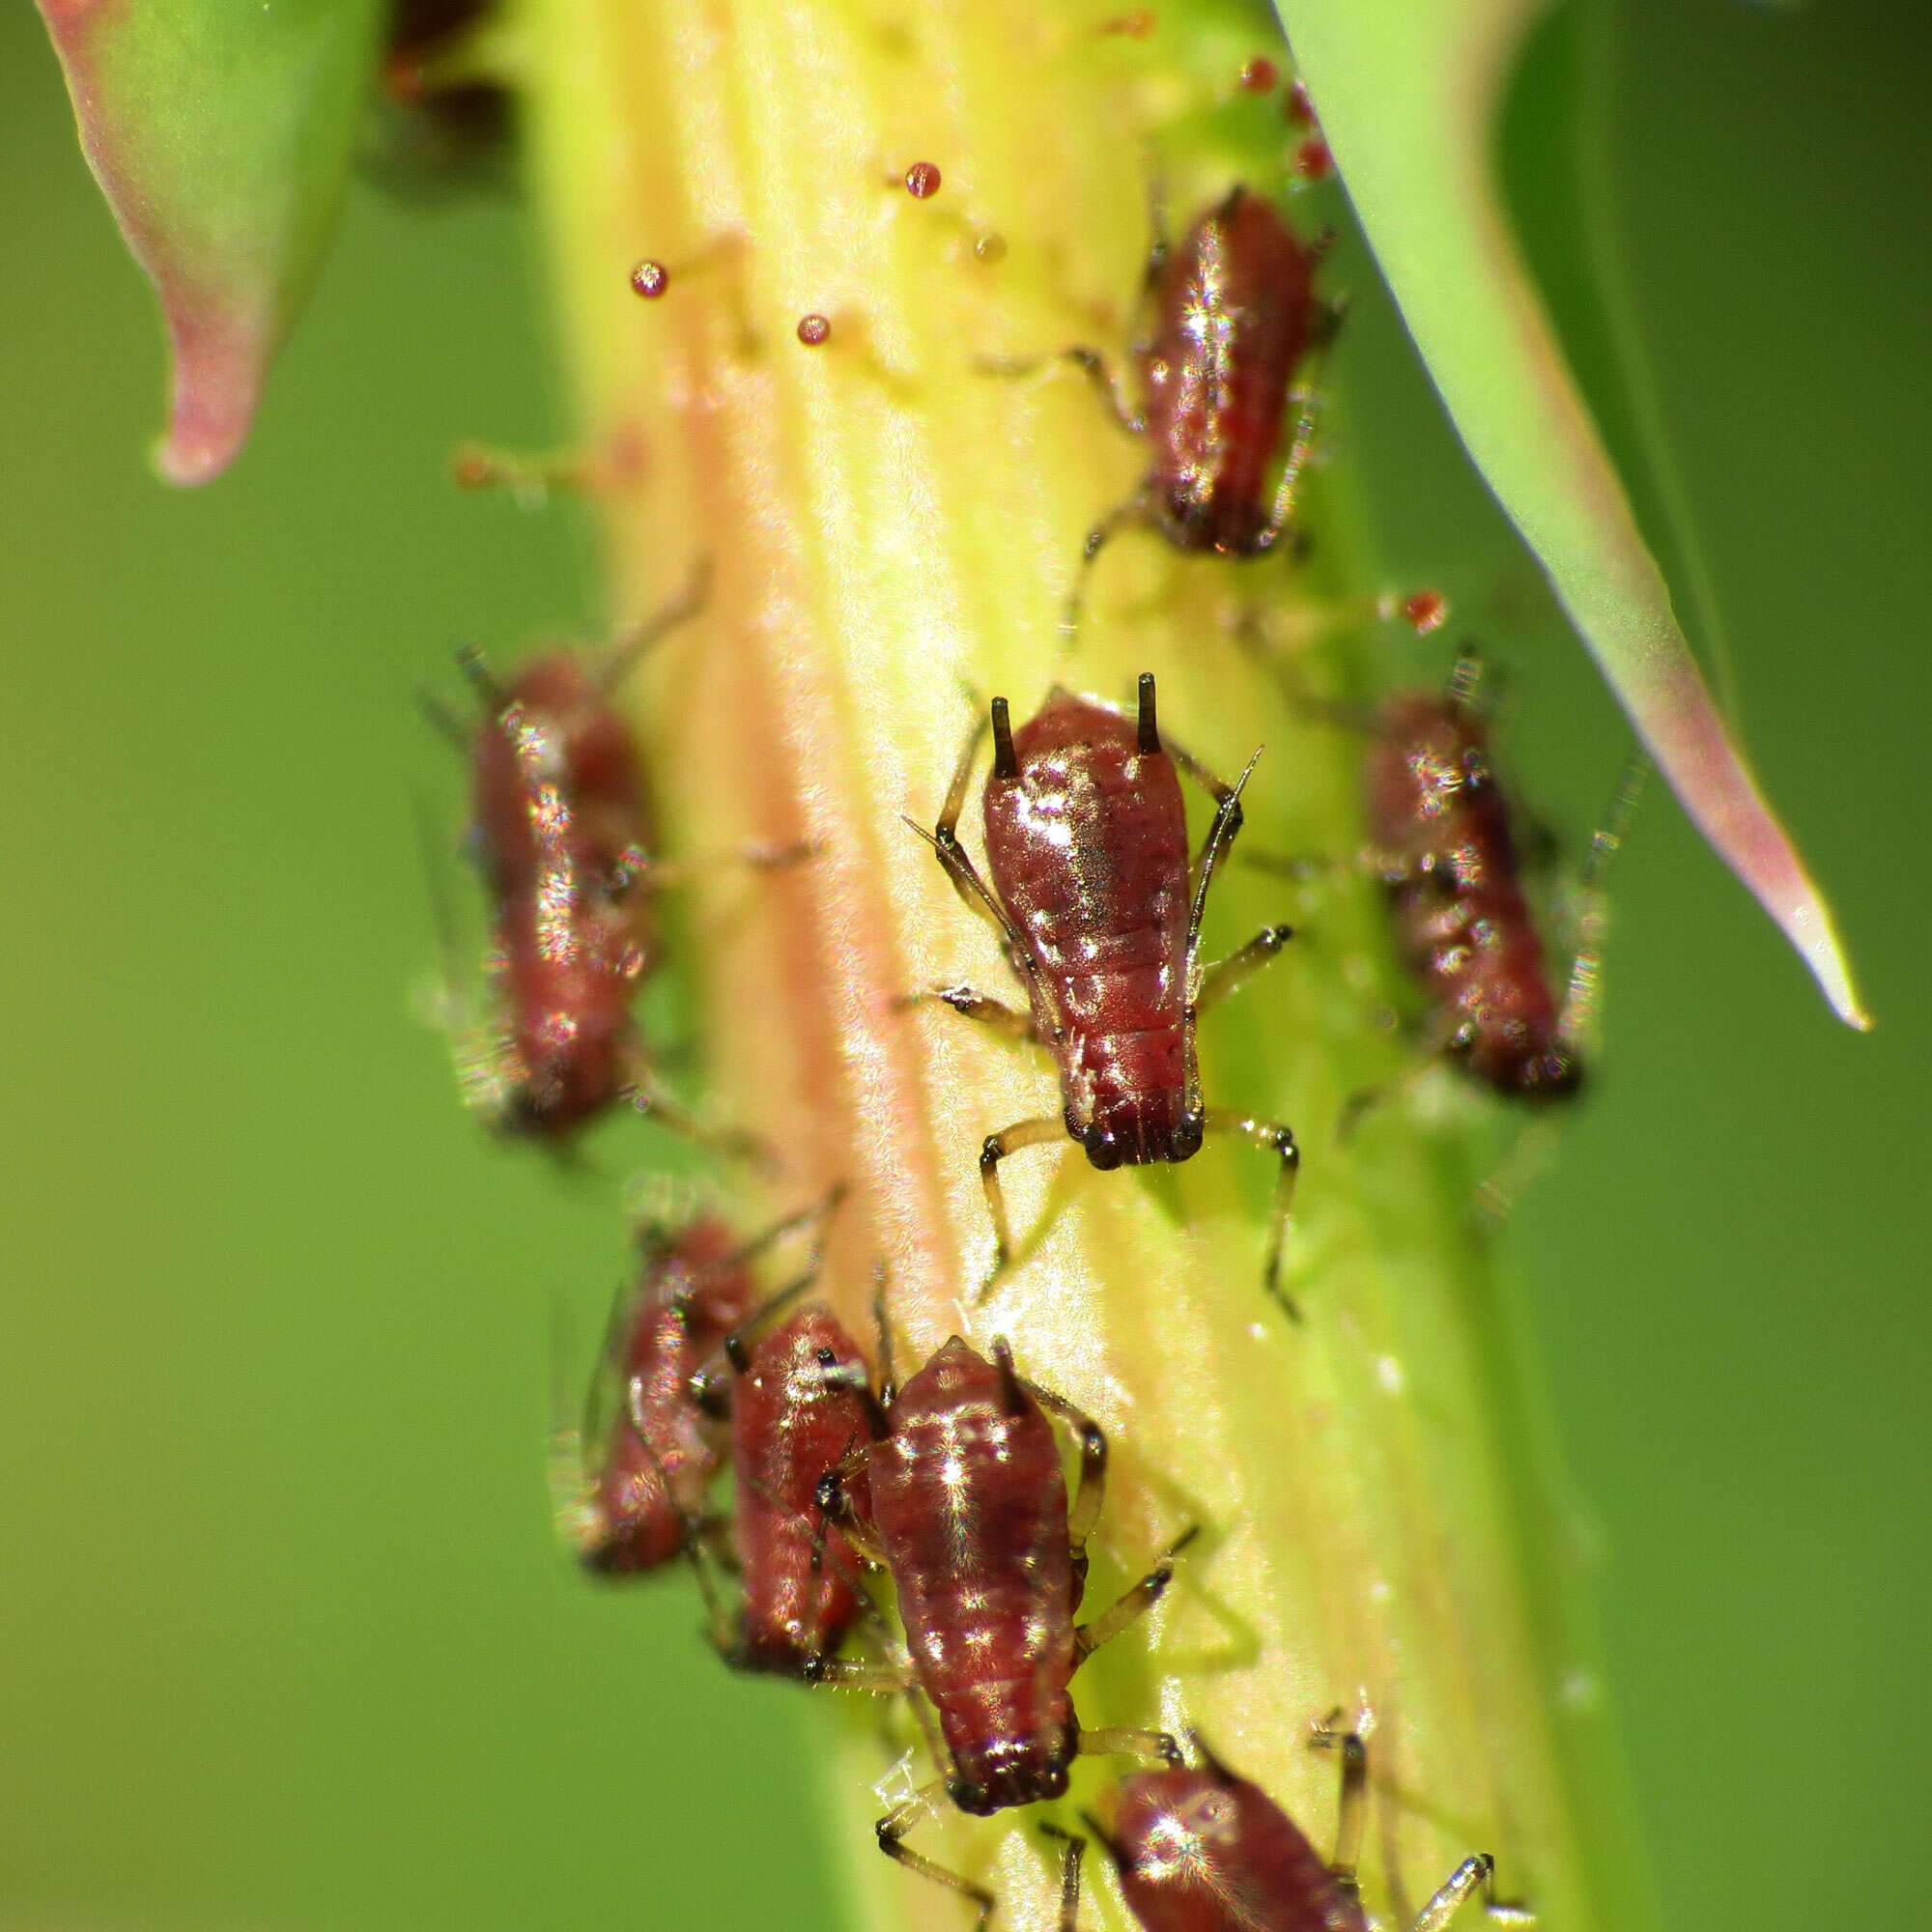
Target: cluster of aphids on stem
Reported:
point(950, 1488)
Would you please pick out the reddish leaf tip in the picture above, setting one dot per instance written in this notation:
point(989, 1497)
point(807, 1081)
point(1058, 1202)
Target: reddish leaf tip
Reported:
point(219, 354)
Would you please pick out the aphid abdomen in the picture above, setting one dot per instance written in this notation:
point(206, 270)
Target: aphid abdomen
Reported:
point(794, 1419)
point(1088, 852)
point(969, 1508)
point(1233, 308)
point(1204, 1851)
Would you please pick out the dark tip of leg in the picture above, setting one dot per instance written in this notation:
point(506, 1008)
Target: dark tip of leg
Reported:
point(1149, 730)
point(1004, 764)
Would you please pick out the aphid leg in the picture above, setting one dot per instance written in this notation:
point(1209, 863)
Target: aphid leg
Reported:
point(1476, 1873)
point(902, 1818)
point(1278, 1140)
point(991, 1013)
point(1069, 1874)
point(1131, 1606)
point(1090, 362)
point(648, 1097)
point(1149, 1747)
point(944, 837)
point(630, 649)
point(1091, 1489)
point(1008, 1140)
point(1133, 510)
point(1352, 1808)
point(1234, 972)
point(1281, 517)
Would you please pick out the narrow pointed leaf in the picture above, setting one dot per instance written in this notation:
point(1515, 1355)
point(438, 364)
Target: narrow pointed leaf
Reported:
point(1408, 93)
point(221, 134)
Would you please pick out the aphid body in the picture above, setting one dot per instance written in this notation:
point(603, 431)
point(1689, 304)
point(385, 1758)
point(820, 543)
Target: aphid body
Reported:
point(1440, 824)
point(1234, 312)
point(1086, 849)
point(1206, 1851)
point(563, 833)
point(1099, 915)
point(797, 1411)
point(969, 1506)
point(661, 1448)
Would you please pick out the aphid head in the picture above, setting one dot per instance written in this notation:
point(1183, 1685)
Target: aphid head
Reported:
point(1555, 1074)
point(1012, 1771)
point(1138, 1131)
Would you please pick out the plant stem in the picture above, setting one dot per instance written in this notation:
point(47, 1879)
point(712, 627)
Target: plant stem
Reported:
point(891, 530)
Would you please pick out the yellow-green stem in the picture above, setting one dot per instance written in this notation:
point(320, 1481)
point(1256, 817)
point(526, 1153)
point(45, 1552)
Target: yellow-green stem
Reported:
point(891, 530)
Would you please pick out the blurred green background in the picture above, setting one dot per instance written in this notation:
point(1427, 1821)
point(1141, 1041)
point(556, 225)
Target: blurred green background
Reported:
point(284, 1636)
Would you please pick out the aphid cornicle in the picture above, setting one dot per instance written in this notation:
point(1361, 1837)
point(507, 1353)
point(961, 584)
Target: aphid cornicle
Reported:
point(632, 1511)
point(562, 830)
point(1441, 829)
point(1100, 918)
point(969, 1512)
point(797, 1411)
point(1231, 314)
point(1206, 1851)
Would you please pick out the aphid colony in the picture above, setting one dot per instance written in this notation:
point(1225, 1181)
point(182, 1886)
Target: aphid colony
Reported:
point(918, 1541)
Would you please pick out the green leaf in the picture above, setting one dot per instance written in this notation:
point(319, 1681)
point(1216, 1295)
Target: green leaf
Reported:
point(1407, 92)
point(221, 133)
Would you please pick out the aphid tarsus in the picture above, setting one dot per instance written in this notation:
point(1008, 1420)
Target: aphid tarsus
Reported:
point(1098, 914)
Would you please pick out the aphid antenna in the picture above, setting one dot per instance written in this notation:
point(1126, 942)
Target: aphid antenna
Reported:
point(629, 651)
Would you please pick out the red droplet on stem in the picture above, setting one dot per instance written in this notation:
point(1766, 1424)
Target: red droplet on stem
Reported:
point(922, 181)
point(812, 329)
point(650, 279)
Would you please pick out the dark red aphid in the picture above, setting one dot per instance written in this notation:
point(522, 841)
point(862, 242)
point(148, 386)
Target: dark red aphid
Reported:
point(632, 1509)
point(798, 1409)
point(1100, 916)
point(969, 1511)
point(1441, 828)
point(1230, 313)
point(564, 836)
point(1205, 1851)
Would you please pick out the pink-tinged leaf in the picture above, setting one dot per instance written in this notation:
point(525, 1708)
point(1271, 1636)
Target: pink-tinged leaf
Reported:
point(221, 133)
point(1408, 93)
